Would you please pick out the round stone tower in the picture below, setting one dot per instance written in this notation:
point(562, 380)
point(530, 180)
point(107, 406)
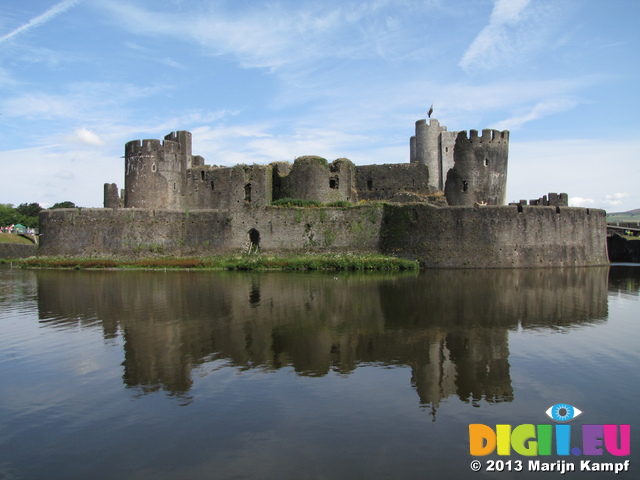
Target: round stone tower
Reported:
point(155, 172)
point(479, 173)
point(432, 145)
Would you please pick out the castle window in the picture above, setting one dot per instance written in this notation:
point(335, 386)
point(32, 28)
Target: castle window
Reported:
point(486, 162)
point(212, 185)
point(202, 175)
point(465, 186)
point(153, 167)
point(247, 192)
point(333, 183)
point(369, 184)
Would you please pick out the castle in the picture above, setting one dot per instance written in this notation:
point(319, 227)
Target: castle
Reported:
point(444, 207)
point(168, 176)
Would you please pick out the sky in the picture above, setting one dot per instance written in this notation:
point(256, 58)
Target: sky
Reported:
point(258, 82)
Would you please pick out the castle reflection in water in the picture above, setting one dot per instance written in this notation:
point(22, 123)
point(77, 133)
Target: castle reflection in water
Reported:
point(450, 327)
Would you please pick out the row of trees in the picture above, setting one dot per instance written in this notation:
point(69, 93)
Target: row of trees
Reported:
point(25, 213)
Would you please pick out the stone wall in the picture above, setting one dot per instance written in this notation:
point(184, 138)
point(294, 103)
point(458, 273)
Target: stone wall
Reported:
point(17, 250)
point(495, 237)
point(387, 182)
point(623, 250)
point(96, 232)
point(447, 237)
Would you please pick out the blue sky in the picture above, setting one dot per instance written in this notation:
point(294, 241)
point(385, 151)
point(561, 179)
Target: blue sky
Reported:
point(257, 82)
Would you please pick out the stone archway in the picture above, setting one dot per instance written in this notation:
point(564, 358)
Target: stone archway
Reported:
point(254, 240)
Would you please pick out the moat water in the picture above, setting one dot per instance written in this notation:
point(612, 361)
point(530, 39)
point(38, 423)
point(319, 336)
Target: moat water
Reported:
point(221, 375)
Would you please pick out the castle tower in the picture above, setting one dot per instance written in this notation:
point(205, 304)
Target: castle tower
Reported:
point(155, 172)
point(479, 174)
point(313, 178)
point(433, 146)
point(111, 196)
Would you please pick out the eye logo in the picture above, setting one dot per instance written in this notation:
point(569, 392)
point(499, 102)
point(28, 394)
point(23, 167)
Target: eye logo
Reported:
point(563, 412)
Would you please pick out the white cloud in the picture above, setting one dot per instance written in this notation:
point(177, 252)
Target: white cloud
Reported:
point(87, 137)
point(41, 19)
point(58, 173)
point(515, 29)
point(616, 199)
point(581, 202)
point(539, 110)
point(507, 11)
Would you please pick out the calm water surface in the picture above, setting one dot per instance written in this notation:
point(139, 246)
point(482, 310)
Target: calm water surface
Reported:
point(207, 375)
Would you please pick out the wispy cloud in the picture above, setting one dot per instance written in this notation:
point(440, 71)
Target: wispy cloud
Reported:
point(276, 34)
point(41, 19)
point(515, 28)
point(539, 110)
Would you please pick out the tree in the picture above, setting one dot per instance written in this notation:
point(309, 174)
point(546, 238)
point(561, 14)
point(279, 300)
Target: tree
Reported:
point(7, 214)
point(66, 204)
point(29, 210)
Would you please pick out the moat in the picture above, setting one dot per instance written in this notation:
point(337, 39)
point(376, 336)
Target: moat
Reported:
point(178, 374)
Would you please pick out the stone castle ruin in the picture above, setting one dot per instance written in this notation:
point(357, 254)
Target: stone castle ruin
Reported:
point(445, 207)
point(469, 169)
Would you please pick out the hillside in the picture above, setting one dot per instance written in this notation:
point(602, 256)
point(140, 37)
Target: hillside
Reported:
point(13, 238)
point(630, 216)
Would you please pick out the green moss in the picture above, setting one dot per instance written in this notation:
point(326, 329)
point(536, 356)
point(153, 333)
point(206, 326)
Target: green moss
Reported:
point(397, 222)
point(311, 160)
point(329, 237)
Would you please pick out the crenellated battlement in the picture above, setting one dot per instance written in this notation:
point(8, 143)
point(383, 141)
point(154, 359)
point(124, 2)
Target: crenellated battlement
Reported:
point(488, 136)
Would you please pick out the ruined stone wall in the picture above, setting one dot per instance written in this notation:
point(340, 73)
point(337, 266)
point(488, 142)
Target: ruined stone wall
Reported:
point(313, 178)
point(495, 237)
point(479, 174)
point(96, 232)
point(228, 187)
point(447, 237)
point(385, 182)
point(111, 196)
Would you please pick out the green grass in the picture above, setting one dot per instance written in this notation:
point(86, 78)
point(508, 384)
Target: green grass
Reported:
point(622, 217)
point(294, 202)
point(13, 238)
point(233, 262)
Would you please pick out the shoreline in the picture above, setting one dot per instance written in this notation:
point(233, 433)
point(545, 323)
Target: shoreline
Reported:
point(309, 262)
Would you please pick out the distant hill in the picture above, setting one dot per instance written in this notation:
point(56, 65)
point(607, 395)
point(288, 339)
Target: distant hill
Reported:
point(630, 216)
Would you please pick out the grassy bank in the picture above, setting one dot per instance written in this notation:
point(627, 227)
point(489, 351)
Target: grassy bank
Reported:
point(232, 262)
point(14, 238)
